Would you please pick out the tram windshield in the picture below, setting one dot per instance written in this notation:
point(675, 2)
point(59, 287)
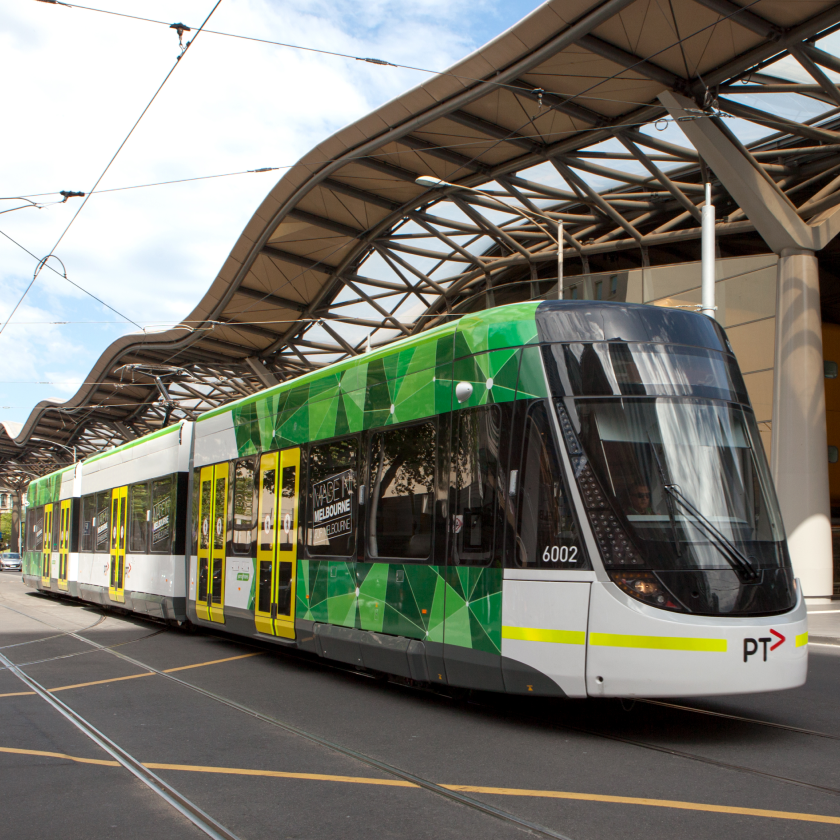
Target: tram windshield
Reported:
point(690, 479)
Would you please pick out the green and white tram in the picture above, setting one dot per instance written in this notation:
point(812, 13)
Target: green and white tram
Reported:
point(562, 498)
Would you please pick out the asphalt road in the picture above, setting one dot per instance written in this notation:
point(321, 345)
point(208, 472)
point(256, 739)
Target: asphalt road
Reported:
point(585, 769)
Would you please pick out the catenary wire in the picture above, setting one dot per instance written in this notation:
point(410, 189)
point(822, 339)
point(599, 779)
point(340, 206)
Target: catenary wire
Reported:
point(110, 162)
point(64, 277)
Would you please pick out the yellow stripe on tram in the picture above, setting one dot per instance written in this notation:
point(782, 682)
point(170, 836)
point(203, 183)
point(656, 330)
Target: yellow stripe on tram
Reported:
point(657, 642)
point(802, 639)
point(536, 634)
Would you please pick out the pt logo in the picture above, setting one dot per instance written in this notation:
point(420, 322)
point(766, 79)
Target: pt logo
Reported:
point(751, 645)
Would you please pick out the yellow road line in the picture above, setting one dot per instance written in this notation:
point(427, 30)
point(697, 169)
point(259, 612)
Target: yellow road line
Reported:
point(537, 634)
point(279, 774)
point(101, 682)
point(75, 758)
point(135, 676)
point(211, 662)
point(494, 791)
point(657, 642)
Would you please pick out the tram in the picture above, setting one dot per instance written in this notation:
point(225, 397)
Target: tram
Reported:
point(556, 498)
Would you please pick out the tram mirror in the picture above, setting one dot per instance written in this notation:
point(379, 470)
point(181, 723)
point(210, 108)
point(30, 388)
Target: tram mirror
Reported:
point(463, 391)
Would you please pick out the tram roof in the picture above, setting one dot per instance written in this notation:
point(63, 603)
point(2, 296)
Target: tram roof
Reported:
point(327, 261)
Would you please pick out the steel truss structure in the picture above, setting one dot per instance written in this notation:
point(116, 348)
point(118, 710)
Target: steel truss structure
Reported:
point(559, 116)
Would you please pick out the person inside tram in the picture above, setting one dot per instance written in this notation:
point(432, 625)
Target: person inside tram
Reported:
point(640, 500)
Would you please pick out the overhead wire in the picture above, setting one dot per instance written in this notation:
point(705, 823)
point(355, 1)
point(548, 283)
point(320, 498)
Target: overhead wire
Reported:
point(108, 166)
point(64, 277)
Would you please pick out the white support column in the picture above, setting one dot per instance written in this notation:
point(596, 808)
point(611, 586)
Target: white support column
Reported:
point(707, 250)
point(799, 454)
point(560, 260)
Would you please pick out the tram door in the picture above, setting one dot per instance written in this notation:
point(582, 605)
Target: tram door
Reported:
point(119, 505)
point(46, 557)
point(277, 543)
point(210, 596)
point(64, 543)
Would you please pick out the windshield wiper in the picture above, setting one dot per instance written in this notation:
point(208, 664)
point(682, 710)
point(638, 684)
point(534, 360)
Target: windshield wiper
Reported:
point(736, 558)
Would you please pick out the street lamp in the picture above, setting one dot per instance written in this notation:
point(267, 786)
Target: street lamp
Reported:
point(430, 182)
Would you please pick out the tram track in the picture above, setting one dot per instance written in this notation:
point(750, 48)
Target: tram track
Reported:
point(370, 761)
point(186, 807)
point(461, 798)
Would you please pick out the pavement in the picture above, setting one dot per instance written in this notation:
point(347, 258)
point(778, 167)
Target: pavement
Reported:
point(748, 766)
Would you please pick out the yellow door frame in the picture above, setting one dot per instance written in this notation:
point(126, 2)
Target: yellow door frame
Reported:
point(279, 486)
point(46, 557)
point(286, 575)
point(212, 542)
point(119, 534)
point(64, 543)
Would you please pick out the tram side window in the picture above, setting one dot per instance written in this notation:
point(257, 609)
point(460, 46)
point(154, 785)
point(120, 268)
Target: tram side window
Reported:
point(332, 510)
point(402, 492)
point(138, 520)
point(547, 535)
point(35, 535)
point(243, 506)
point(103, 517)
point(196, 497)
point(163, 514)
point(87, 529)
point(477, 484)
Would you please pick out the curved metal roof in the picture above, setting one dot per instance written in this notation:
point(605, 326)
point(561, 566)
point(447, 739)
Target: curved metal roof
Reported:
point(551, 115)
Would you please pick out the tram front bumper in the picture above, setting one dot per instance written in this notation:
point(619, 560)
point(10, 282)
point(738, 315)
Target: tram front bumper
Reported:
point(638, 651)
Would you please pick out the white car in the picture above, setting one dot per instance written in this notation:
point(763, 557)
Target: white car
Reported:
point(9, 561)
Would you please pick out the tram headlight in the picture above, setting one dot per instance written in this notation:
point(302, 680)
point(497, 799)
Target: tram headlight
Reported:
point(645, 587)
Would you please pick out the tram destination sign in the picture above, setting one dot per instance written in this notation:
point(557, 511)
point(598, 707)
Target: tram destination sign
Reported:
point(332, 505)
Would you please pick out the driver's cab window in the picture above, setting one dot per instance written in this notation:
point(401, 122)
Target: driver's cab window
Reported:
point(546, 534)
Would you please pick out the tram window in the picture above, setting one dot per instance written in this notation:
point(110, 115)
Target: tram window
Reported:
point(402, 494)
point(56, 525)
point(546, 532)
point(477, 484)
point(287, 536)
point(88, 516)
point(196, 483)
point(103, 517)
point(268, 506)
point(35, 537)
point(163, 514)
point(332, 513)
point(206, 496)
point(243, 506)
point(138, 518)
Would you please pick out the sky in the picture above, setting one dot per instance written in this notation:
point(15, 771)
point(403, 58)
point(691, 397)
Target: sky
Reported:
point(76, 81)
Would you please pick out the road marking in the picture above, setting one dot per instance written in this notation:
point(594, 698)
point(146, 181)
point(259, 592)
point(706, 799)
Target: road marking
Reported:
point(100, 761)
point(495, 791)
point(136, 676)
point(657, 642)
point(536, 634)
point(211, 662)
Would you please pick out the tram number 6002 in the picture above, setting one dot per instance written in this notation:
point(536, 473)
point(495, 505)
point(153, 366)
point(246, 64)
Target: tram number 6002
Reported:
point(560, 554)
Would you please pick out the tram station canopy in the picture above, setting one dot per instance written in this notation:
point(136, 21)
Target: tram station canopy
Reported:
point(559, 117)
